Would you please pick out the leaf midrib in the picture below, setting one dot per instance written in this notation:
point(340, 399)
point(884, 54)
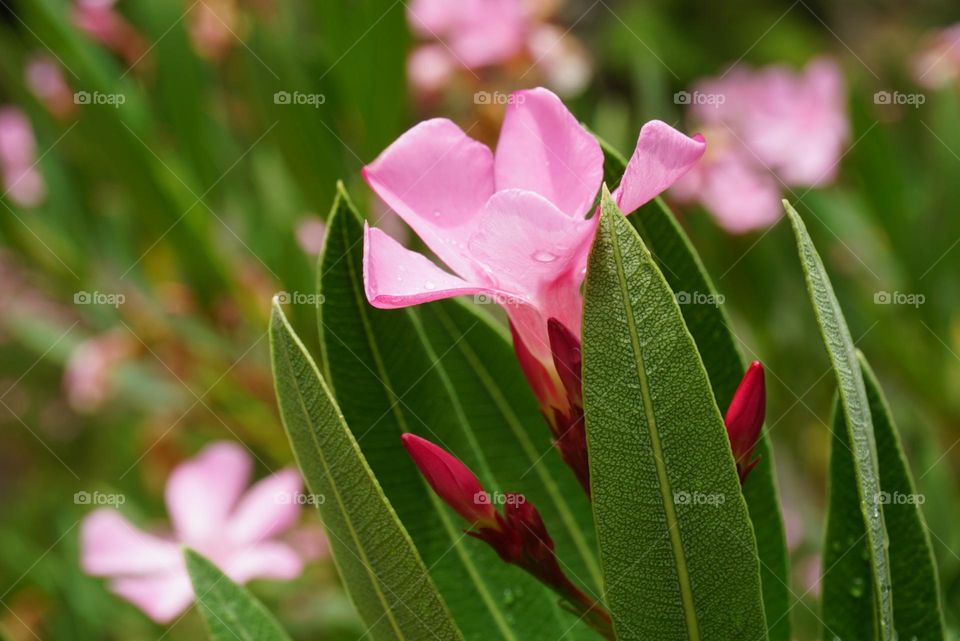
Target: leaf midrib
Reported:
point(676, 544)
point(455, 537)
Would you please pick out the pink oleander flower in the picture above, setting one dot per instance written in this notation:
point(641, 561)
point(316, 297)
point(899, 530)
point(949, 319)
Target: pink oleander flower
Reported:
point(768, 129)
point(937, 63)
point(22, 182)
point(212, 512)
point(511, 226)
point(476, 34)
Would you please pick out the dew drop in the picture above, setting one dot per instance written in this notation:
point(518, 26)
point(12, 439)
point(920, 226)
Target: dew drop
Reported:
point(542, 256)
point(436, 213)
point(429, 285)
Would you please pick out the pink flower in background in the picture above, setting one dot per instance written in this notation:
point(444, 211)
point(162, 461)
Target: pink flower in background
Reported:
point(45, 79)
point(87, 378)
point(474, 34)
point(212, 512)
point(102, 22)
point(937, 63)
point(767, 129)
point(511, 226)
point(22, 182)
point(311, 233)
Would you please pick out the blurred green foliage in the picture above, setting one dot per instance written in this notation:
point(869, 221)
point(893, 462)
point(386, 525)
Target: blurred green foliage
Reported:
point(185, 199)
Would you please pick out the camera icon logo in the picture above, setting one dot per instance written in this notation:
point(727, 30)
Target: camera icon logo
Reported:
point(882, 98)
point(82, 98)
point(682, 98)
point(282, 98)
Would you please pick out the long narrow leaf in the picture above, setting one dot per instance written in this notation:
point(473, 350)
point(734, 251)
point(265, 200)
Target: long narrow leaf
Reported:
point(710, 327)
point(856, 411)
point(380, 566)
point(916, 591)
point(676, 545)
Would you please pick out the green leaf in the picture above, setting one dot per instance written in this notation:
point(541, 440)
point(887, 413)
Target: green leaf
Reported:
point(380, 566)
point(856, 411)
point(711, 330)
point(847, 589)
point(229, 610)
point(444, 372)
point(676, 545)
point(916, 592)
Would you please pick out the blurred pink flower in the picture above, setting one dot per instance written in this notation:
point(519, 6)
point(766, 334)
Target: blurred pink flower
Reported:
point(311, 232)
point(211, 513)
point(765, 127)
point(45, 79)
point(22, 182)
point(102, 22)
point(472, 34)
point(87, 377)
point(511, 226)
point(213, 26)
point(937, 63)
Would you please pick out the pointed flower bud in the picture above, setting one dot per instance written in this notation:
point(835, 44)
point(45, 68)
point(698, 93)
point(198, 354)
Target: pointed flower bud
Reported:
point(744, 417)
point(452, 481)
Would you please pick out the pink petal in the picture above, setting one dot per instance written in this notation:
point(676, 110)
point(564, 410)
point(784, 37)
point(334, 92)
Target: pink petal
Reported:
point(662, 156)
point(437, 179)
point(162, 597)
point(111, 545)
point(268, 508)
point(271, 560)
point(741, 197)
point(488, 32)
point(394, 276)
point(202, 492)
point(533, 249)
point(430, 18)
point(544, 149)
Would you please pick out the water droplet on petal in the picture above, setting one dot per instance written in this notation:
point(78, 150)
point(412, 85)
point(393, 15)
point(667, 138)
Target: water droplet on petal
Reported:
point(429, 285)
point(436, 213)
point(543, 256)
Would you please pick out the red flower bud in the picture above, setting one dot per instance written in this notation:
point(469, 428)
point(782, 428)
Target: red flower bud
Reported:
point(744, 417)
point(452, 481)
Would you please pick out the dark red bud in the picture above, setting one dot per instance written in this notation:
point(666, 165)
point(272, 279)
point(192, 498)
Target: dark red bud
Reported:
point(744, 417)
point(452, 481)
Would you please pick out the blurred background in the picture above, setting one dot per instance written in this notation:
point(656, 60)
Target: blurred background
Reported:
point(167, 167)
